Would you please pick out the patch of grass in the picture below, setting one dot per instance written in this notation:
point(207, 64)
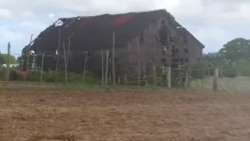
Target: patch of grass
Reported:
point(237, 84)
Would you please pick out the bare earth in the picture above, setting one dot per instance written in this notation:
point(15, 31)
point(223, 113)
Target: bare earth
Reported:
point(176, 115)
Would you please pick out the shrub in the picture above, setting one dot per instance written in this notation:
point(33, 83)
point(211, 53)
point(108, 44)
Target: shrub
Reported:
point(33, 76)
point(12, 75)
point(50, 76)
point(2, 74)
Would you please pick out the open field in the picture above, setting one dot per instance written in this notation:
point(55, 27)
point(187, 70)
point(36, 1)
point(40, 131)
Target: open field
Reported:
point(134, 115)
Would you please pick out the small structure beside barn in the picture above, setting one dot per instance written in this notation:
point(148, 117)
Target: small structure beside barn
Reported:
point(4, 66)
point(142, 41)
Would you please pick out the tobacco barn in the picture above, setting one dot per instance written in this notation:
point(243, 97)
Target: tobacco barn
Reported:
point(141, 40)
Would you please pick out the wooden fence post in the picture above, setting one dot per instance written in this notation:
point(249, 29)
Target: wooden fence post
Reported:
point(8, 64)
point(107, 67)
point(27, 56)
point(186, 80)
point(41, 77)
point(22, 64)
point(65, 65)
point(126, 80)
point(58, 53)
point(113, 60)
point(103, 81)
point(215, 83)
point(169, 77)
point(139, 66)
point(154, 75)
point(85, 66)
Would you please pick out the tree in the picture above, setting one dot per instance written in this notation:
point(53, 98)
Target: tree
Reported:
point(4, 59)
point(232, 59)
point(1, 59)
point(237, 49)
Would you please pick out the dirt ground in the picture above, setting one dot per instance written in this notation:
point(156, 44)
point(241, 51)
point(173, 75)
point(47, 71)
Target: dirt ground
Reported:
point(149, 115)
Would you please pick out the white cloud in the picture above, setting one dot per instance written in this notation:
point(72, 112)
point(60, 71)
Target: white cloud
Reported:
point(5, 13)
point(214, 22)
point(12, 36)
point(52, 15)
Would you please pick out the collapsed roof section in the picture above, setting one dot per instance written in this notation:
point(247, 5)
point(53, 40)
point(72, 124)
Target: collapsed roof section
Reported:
point(95, 32)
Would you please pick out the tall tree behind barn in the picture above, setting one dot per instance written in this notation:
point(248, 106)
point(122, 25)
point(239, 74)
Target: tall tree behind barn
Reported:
point(139, 40)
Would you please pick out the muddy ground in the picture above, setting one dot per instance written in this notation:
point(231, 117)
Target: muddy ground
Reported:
point(149, 115)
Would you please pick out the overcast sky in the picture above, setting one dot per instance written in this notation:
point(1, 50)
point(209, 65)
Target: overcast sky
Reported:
point(213, 22)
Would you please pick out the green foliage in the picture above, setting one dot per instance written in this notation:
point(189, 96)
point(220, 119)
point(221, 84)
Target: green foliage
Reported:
point(34, 76)
point(198, 71)
point(237, 49)
point(4, 59)
point(2, 74)
point(12, 75)
point(1, 59)
point(229, 72)
point(233, 59)
point(90, 78)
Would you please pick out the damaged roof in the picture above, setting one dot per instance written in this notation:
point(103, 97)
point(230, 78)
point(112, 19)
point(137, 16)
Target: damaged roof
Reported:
point(95, 32)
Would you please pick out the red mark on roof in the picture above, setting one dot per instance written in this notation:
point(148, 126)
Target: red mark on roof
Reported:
point(85, 21)
point(119, 20)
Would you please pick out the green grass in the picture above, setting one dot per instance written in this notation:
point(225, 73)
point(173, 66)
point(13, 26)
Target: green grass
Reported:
point(237, 84)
